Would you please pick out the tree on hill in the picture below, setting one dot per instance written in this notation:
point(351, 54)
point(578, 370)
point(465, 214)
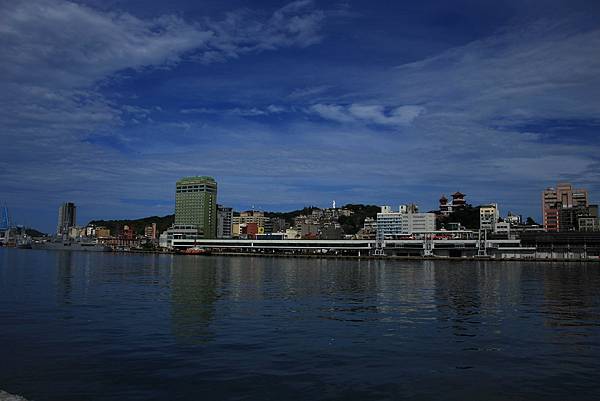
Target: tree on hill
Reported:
point(137, 225)
point(290, 216)
point(467, 216)
point(531, 222)
point(351, 224)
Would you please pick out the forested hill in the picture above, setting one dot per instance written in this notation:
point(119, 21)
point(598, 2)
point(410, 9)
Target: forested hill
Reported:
point(351, 224)
point(138, 225)
point(355, 222)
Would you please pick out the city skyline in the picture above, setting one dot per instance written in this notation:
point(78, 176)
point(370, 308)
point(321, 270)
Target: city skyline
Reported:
point(288, 104)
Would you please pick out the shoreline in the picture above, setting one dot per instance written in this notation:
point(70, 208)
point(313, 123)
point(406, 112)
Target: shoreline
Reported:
point(368, 257)
point(351, 257)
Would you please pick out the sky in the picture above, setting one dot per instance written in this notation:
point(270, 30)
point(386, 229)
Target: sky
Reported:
point(106, 103)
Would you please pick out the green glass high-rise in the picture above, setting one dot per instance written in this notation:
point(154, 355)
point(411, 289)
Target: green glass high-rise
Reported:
point(196, 205)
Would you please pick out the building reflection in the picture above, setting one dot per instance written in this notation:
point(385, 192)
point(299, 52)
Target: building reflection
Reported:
point(193, 298)
point(571, 296)
point(457, 295)
point(64, 277)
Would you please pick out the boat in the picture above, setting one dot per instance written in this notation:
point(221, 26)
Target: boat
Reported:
point(196, 250)
point(67, 245)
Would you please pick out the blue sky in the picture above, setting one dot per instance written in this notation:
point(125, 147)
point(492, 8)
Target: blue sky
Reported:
point(107, 103)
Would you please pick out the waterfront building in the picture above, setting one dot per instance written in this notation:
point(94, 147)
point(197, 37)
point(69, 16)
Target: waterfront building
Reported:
point(150, 232)
point(393, 224)
point(196, 205)
point(101, 232)
point(178, 233)
point(588, 224)
point(554, 200)
point(251, 216)
point(488, 216)
point(67, 218)
point(570, 217)
point(224, 221)
point(76, 232)
point(502, 228)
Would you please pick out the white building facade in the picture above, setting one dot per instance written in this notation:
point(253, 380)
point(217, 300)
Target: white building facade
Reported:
point(394, 224)
point(488, 217)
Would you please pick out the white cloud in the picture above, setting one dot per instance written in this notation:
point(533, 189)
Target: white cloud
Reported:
point(332, 112)
point(368, 113)
point(237, 111)
point(73, 45)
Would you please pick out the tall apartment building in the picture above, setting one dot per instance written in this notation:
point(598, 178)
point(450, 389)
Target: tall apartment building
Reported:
point(391, 224)
point(556, 199)
point(224, 221)
point(67, 218)
point(488, 217)
point(196, 205)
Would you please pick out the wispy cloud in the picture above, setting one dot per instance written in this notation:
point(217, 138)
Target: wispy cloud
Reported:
point(237, 111)
point(368, 113)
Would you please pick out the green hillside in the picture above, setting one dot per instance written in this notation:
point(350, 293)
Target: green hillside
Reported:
point(137, 225)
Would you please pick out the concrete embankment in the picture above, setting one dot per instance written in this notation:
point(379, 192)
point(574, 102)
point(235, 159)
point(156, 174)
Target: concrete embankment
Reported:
point(4, 396)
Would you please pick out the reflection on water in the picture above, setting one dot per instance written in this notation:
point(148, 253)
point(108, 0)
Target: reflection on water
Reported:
point(104, 326)
point(193, 297)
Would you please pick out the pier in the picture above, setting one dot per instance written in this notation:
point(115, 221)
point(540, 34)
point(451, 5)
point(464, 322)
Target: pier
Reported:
point(584, 246)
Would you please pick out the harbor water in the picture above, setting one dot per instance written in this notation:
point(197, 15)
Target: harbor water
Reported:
point(103, 326)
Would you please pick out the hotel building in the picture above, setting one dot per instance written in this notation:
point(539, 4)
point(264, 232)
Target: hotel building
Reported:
point(196, 205)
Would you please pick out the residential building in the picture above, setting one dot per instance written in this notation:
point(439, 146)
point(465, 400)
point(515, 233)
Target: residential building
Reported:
point(196, 205)
point(410, 208)
point(309, 230)
point(150, 232)
point(570, 217)
point(402, 223)
point(249, 230)
point(224, 221)
point(488, 216)
point(502, 228)
point(564, 196)
point(513, 219)
point(588, 224)
point(67, 218)
point(101, 232)
point(278, 225)
point(251, 216)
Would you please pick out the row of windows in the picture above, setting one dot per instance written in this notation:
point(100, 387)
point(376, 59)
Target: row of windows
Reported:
point(196, 186)
point(214, 191)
